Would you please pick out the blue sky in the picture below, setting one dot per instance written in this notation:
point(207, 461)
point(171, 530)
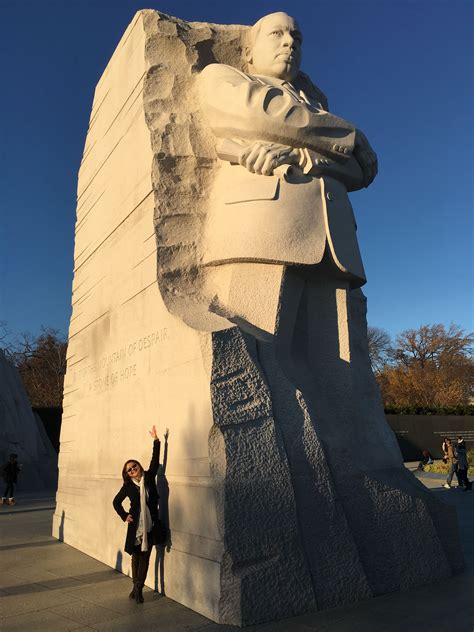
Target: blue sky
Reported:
point(401, 71)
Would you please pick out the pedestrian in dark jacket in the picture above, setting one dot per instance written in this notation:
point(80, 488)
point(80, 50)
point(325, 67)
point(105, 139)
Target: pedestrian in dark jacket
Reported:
point(10, 476)
point(143, 527)
point(463, 465)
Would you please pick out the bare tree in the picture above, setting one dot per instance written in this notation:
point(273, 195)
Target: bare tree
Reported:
point(41, 362)
point(5, 338)
point(380, 348)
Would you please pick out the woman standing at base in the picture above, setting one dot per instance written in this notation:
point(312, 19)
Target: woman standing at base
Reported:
point(139, 486)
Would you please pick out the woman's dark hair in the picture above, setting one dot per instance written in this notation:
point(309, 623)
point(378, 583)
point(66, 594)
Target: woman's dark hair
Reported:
point(125, 475)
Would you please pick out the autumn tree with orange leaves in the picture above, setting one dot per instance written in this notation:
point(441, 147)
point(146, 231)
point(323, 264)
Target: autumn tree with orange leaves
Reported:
point(429, 366)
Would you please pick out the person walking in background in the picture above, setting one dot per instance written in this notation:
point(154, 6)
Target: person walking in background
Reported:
point(463, 465)
point(143, 526)
point(10, 475)
point(452, 462)
point(444, 448)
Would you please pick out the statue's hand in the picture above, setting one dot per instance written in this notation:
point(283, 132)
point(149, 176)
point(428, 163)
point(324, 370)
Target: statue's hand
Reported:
point(263, 158)
point(366, 157)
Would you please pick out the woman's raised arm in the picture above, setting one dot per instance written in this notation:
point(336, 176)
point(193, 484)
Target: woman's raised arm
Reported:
point(155, 457)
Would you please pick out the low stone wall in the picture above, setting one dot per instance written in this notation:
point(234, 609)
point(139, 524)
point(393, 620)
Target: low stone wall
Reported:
point(425, 432)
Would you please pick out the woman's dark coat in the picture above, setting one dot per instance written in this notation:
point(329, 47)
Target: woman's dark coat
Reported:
point(132, 492)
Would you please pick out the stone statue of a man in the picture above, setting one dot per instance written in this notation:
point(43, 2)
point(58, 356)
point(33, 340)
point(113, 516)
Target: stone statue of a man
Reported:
point(280, 229)
point(281, 194)
point(285, 489)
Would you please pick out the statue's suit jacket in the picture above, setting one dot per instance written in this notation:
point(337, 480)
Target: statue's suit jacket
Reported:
point(293, 216)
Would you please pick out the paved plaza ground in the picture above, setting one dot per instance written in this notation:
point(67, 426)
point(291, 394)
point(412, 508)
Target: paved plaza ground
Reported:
point(48, 585)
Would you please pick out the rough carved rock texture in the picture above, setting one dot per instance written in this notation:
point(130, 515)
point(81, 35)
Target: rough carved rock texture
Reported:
point(184, 154)
point(298, 520)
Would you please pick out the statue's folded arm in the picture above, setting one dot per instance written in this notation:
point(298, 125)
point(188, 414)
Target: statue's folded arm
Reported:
point(237, 105)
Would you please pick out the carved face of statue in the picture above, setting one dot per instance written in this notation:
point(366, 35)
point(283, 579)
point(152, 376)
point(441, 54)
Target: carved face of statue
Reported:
point(275, 48)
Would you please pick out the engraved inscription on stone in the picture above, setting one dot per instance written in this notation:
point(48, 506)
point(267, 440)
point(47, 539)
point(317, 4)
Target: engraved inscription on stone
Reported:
point(119, 365)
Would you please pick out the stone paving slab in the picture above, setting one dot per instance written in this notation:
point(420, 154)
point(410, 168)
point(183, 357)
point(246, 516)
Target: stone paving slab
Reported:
point(40, 621)
point(32, 506)
point(86, 613)
point(165, 617)
point(31, 501)
point(24, 602)
point(47, 585)
point(436, 475)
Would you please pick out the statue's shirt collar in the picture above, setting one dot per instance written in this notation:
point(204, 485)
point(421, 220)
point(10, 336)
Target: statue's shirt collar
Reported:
point(297, 93)
point(274, 81)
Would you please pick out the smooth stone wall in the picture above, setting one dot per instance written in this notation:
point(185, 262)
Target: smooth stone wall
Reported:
point(131, 364)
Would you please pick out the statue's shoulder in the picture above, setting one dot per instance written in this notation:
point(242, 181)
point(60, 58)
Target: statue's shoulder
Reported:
point(222, 72)
point(304, 83)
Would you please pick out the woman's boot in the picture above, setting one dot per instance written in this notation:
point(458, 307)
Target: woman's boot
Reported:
point(135, 561)
point(139, 592)
point(142, 571)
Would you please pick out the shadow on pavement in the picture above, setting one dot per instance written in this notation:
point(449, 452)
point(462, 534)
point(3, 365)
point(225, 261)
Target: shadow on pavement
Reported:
point(29, 545)
point(51, 584)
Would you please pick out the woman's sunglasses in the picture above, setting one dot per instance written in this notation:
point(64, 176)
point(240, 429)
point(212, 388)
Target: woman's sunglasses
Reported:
point(132, 468)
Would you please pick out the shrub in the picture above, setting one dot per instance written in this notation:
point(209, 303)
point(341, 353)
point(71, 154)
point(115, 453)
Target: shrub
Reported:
point(442, 468)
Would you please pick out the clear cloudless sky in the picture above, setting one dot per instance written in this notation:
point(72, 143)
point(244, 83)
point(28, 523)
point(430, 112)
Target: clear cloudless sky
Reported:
point(401, 71)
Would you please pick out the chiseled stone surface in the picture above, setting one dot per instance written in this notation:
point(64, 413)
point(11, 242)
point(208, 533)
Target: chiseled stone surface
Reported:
point(184, 157)
point(131, 363)
point(282, 484)
point(274, 475)
point(22, 432)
